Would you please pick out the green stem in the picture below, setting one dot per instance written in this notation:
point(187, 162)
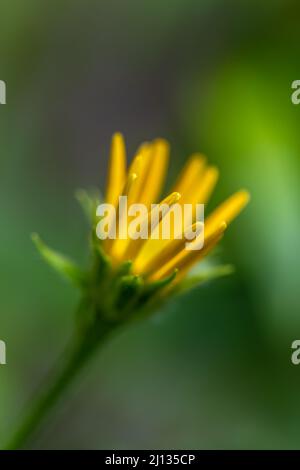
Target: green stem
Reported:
point(57, 385)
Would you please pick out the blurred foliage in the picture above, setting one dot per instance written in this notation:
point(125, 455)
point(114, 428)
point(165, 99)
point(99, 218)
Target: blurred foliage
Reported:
point(213, 370)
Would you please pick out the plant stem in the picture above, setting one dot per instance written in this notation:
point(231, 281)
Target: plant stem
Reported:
point(79, 354)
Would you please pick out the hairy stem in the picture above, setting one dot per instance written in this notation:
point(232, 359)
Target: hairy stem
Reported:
point(66, 370)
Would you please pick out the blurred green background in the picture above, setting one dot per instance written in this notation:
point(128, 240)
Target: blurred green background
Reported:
point(212, 370)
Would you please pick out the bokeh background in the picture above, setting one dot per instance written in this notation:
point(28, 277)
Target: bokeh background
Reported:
point(213, 369)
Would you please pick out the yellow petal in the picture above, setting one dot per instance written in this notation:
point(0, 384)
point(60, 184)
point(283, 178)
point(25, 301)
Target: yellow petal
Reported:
point(115, 247)
point(138, 168)
point(197, 183)
point(145, 249)
point(188, 176)
point(171, 249)
point(190, 262)
point(185, 259)
point(227, 211)
point(116, 169)
point(156, 172)
point(206, 185)
point(140, 165)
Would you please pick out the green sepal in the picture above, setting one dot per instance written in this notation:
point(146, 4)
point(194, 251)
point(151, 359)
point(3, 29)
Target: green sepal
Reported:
point(195, 280)
point(103, 258)
point(124, 269)
point(152, 289)
point(89, 203)
point(128, 289)
point(102, 263)
point(63, 265)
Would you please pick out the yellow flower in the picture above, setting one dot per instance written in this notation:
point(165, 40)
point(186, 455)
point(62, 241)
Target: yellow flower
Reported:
point(142, 183)
point(128, 277)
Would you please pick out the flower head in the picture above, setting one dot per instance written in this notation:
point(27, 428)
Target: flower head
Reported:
point(131, 274)
point(142, 183)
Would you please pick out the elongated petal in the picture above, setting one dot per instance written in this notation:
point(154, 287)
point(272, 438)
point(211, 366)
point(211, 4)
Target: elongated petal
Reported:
point(227, 211)
point(190, 173)
point(152, 246)
point(141, 167)
point(202, 194)
point(136, 246)
point(172, 248)
point(116, 247)
point(206, 182)
point(156, 173)
point(116, 169)
point(184, 260)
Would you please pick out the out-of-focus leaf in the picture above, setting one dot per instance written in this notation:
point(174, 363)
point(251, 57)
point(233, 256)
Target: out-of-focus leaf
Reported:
point(63, 265)
point(207, 275)
point(89, 203)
